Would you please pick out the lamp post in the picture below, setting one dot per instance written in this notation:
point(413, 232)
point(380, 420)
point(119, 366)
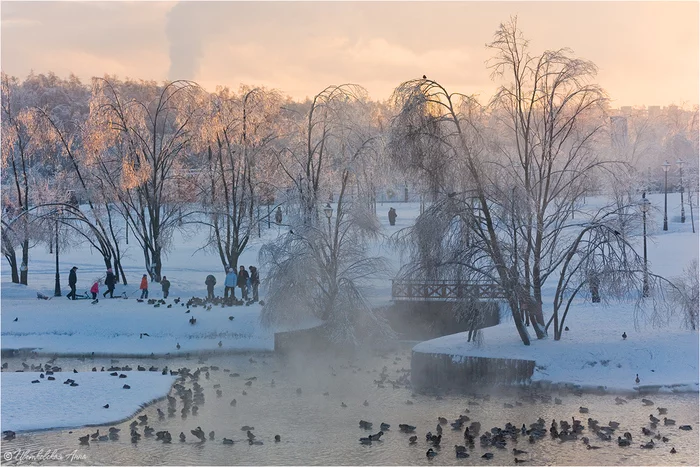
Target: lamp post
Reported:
point(666, 166)
point(328, 211)
point(680, 163)
point(644, 205)
point(57, 287)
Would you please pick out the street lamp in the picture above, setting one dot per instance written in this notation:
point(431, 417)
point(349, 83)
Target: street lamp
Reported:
point(666, 166)
point(644, 205)
point(680, 163)
point(57, 287)
point(328, 211)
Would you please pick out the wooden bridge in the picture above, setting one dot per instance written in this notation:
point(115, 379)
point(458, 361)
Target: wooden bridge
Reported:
point(444, 291)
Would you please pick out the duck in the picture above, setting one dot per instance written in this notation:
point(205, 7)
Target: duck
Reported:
point(519, 461)
point(487, 455)
point(343, 405)
point(636, 380)
point(685, 427)
point(366, 440)
point(84, 439)
point(413, 439)
point(623, 442)
point(653, 419)
point(430, 453)
point(668, 421)
point(673, 450)
point(583, 409)
point(462, 454)
point(590, 446)
point(624, 335)
point(662, 410)
point(404, 428)
point(182, 437)
point(255, 442)
point(647, 402)
point(384, 426)
point(517, 452)
point(376, 437)
point(277, 438)
point(228, 441)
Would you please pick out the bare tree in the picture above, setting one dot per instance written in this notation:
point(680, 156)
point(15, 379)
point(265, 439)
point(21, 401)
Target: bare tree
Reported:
point(153, 129)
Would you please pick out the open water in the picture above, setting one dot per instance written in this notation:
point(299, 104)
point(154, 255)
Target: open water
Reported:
point(317, 401)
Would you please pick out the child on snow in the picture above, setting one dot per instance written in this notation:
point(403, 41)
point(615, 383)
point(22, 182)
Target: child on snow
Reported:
point(95, 289)
point(144, 287)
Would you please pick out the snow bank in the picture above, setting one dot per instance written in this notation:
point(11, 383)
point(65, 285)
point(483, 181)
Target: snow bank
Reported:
point(52, 404)
point(115, 326)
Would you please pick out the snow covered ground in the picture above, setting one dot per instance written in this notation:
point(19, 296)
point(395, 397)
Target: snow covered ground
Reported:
point(115, 326)
point(52, 404)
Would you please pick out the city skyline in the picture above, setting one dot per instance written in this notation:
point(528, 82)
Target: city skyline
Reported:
point(647, 52)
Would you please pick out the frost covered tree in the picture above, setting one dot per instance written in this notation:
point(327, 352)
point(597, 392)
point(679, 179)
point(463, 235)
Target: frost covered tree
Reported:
point(146, 130)
point(507, 177)
point(320, 268)
point(236, 140)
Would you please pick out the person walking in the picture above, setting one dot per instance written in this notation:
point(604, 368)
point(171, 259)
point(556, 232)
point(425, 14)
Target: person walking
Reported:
point(243, 282)
point(95, 289)
point(72, 280)
point(165, 284)
point(278, 215)
point(110, 281)
point(230, 284)
point(255, 282)
point(210, 281)
point(392, 216)
point(144, 286)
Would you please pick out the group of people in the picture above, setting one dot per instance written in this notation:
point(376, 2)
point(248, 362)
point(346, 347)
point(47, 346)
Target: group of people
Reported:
point(247, 281)
point(110, 281)
point(244, 280)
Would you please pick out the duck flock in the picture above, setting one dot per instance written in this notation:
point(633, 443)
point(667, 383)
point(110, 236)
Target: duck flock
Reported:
point(459, 435)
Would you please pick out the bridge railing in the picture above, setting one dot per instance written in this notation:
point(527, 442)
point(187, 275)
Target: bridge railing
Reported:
point(444, 290)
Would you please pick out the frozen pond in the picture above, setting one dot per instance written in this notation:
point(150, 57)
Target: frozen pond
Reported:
point(319, 425)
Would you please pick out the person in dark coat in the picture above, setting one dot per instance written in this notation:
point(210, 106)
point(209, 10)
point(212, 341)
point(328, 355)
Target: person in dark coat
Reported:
point(254, 281)
point(110, 281)
point(72, 280)
point(243, 282)
point(278, 215)
point(211, 282)
point(392, 216)
point(165, 284)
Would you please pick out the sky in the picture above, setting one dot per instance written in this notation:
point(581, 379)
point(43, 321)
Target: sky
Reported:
point(647, 52)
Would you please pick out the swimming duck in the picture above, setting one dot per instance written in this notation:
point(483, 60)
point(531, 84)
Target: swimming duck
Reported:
point(519, 461)
point(365, 403)
point(211, 435)
point(233, 403)
point(685, 427)
point(623, 442)
point(653, 419)
point(277, 438)
point(384, 426)
point(649, 445)
point(668, 421)
point(182, 437)
point(462, 454)
point(84, 439)
point(662, 410)
point(413, 439)
point(253, 442)
point(376, 437)
point(367, 440)
point(647, 402)
point(636, 380)
point(228, 441)
point(404, 428)
point(250, 435)
point(343, 405)
point(517, 452)
point(673, 450)
point(583, 410)
point(487, 455)
point(430, 453)
point(590, 446)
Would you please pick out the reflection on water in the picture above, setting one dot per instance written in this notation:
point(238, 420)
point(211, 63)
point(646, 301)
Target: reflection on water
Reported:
point(316, 403)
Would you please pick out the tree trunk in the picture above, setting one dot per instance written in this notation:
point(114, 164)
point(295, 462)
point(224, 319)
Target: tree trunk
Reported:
point(25, 261)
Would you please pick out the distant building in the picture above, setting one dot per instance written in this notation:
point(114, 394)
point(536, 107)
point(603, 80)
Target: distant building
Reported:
point(619, 138)
point(654, 111)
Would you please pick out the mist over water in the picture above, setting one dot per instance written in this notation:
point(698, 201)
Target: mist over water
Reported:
point(316, 430)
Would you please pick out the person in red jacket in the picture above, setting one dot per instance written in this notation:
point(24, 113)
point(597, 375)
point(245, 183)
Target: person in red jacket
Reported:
point(144, 286)
point(95, 289)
